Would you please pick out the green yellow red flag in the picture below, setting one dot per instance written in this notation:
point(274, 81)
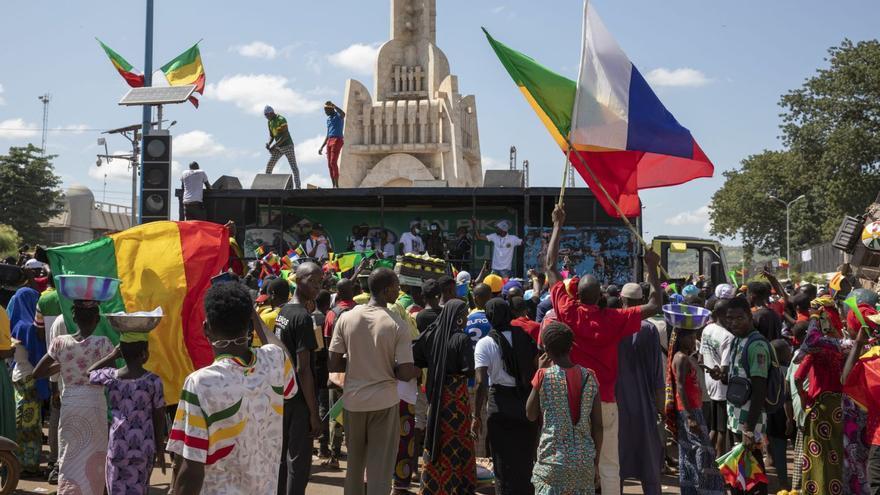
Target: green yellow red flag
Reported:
point(132, 76)
point(187, 69)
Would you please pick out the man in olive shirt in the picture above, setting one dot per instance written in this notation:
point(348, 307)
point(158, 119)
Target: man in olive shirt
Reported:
point(279, 133)
point(373, 346)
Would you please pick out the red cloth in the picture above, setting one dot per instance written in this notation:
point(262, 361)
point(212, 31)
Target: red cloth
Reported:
point(330, 318)
point(334, 147)
point(597, 332)
point(778, 306)
point(575, 385)
point(852, 322)
point(533, 328)
point(823, 370)
point(692, 390)
point(863, 386)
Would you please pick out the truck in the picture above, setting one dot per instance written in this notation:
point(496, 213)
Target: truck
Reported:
point(592, 241)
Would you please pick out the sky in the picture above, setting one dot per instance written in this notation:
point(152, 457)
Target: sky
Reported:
point(719, 67)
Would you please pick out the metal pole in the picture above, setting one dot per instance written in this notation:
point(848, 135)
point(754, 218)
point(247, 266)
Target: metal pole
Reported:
point(134, 179)
point(788, 239)
point(148, 81)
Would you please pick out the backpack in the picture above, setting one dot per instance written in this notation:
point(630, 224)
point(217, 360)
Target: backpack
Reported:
point(739, 389)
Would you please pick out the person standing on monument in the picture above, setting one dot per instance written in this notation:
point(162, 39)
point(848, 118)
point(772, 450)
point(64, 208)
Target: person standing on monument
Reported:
point(283, 143)
point(333, 141)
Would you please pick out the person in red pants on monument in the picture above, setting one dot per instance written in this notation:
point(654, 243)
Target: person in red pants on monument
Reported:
point(333, 141)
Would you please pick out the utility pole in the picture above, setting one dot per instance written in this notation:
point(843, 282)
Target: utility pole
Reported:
point(787, 227)
point(45, 99)
point(148, 81)
point(513, 158)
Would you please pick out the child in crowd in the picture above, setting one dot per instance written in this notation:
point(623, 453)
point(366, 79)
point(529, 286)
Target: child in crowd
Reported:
point(567, 397)
point(137, 403)
point(697, 473)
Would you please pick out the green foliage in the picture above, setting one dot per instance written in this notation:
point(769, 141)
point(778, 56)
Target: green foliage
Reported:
point(831, 128)
point(29, 191)
point(10, 241)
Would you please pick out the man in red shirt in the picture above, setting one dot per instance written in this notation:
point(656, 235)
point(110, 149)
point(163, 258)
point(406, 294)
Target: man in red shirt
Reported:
point(597, 333)
point(521, 318)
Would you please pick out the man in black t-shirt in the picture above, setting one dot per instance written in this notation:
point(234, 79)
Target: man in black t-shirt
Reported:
point(431, 293)
point(767, 321)
point(296, 330)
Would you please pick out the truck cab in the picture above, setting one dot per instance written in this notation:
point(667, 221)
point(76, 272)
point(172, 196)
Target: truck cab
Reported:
point(683, 256)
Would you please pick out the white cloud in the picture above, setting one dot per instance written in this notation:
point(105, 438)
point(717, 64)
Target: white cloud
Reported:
point(307, 151)
point(196, 144)
point(684, 77)
point(256, 49)
point(251, 92)
point(490, 163)
point(499, 9)
point(700, 216)
point(2, 101)
point(317, 180)
point(114, 169)
point(359, 57)
point(74, 128)
point(17, 128)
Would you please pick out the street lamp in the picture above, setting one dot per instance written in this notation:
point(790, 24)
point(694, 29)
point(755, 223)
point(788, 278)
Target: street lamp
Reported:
point(787, 226)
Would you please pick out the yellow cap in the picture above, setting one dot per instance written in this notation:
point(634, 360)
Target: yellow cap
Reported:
point(494, 282)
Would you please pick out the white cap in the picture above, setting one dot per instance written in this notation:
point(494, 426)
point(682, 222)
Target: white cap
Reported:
point(34, 264)
point(463, 278)
point(725, 291)
point(267, 110)
point(504, 225)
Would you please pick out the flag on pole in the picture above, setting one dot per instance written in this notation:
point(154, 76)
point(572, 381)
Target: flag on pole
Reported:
point(186, 69)
point(132, 76)
point(740, 469)
point(612, 119)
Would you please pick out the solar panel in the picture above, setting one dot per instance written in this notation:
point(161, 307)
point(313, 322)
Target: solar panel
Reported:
point(157, 95)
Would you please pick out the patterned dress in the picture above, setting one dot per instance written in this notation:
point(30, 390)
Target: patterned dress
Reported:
point(132, 440)
point(230, 419)
point(566, 452)
point(82, 428)
point(455, 470)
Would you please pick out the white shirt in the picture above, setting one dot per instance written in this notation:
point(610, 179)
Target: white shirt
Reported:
point(192, 185)
point(487, 355)
point(321, 252)
point(57, 328)
point(715, 346)
point(362, 244)
point(23, 367)
point(412, 243)
point(390, 250)
point(502, 250)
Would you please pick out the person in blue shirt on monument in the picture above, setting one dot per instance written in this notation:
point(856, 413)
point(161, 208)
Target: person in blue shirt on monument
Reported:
point(333, 141)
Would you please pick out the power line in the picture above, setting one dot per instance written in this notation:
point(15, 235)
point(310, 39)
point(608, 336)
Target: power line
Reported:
point(57, 129)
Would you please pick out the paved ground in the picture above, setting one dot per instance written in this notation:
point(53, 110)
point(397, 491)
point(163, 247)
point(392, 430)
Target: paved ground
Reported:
point(323, 482)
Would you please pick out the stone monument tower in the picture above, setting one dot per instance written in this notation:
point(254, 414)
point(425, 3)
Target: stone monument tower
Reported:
point(417, 129)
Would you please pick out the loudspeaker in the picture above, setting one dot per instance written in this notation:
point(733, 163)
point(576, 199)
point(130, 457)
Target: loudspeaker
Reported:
point(503, 178)
point(848, 234)
point(272, 181)
point(226, 183)
point(156, 177)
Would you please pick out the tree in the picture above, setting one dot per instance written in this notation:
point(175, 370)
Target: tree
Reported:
point(29, 191)
point(831, 130)
point(10, 241)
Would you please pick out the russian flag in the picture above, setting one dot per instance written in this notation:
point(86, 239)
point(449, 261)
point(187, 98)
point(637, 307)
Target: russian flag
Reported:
point(621, 130)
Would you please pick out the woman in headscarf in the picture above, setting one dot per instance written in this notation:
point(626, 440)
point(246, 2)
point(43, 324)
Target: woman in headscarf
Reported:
point(447, 353)
point(506, 362)
point(82, 427)
point(30, 345)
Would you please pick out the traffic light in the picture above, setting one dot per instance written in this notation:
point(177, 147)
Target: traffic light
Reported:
point(156, 176)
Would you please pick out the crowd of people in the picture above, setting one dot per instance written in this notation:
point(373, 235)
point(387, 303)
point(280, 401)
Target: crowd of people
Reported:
point(551, 386)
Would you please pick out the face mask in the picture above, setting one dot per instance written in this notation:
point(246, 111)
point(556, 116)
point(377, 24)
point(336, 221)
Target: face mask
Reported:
point(418, 231)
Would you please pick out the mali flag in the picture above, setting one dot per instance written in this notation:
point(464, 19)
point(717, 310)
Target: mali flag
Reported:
point(131, 75)
point(186, 69)
point(167, 264)
point(740, 469)
point(609, 120)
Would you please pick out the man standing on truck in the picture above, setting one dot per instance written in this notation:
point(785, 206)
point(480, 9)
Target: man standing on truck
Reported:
point(193, 180)
point(503, 246)
point(333, 141)
point(279, 133)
